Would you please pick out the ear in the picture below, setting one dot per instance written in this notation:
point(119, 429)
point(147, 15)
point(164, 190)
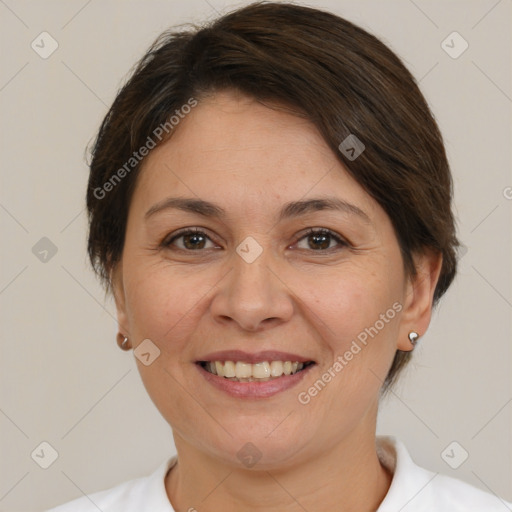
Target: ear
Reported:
point(418, 296)
point(116, 279)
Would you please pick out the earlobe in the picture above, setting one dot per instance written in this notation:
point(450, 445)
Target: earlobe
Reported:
point(418, 298)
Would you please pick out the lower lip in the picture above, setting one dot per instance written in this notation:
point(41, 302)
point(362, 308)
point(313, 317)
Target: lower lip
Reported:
point(254, 389)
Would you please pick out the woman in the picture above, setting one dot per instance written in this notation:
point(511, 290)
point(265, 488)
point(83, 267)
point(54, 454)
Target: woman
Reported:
point(270, 205)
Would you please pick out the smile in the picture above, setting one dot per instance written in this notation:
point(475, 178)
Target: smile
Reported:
point(263, 371)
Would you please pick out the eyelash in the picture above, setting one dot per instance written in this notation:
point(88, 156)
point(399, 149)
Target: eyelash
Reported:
point(167, 242)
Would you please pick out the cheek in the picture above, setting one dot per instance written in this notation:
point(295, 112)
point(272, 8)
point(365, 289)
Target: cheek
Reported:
point(357, 315)
point(168, 303)
point(349, 301)
point(163, 305)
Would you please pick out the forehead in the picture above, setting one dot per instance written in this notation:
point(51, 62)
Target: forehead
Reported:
point(230, 149)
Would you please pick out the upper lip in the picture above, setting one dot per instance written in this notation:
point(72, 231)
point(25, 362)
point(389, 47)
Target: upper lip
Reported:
point(255, 357)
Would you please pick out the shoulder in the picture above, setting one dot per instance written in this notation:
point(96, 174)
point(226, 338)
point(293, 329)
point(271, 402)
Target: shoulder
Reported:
point(417, 489)
point(455, 495)
point(137, 495)
point(116, 499)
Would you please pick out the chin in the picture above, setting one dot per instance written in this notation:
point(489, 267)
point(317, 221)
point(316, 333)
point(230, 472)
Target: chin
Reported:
point(260, 446)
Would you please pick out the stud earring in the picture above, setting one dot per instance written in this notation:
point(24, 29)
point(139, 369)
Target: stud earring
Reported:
point(123, 342)
point(413, 338)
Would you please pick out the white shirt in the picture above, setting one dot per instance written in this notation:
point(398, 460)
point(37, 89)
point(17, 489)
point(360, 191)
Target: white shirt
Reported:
point(413, 489)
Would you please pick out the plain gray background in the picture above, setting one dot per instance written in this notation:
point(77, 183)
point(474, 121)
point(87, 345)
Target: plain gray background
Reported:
point(63, 379)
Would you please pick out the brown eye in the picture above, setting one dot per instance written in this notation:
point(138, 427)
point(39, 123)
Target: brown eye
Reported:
point(192, 240)
point(321, 239)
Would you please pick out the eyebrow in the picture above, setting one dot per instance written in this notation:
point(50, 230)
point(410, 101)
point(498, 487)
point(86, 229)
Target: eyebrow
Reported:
point(289, 210)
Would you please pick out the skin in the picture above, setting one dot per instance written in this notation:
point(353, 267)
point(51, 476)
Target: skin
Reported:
point(296, 297)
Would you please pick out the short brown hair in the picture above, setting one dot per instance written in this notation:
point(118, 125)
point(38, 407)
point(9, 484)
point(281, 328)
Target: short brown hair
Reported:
point(345, 80)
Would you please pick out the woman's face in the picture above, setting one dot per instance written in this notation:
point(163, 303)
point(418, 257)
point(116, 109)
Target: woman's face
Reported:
point(253, 286)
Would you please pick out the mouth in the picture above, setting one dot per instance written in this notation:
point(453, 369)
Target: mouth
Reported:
point(253, 376)
point(263, 371)
point(246, 375)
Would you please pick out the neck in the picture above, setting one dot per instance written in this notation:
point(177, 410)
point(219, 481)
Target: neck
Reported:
point(348, 478)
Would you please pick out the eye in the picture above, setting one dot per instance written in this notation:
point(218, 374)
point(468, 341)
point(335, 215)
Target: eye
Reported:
point(195, 240)
point(320, 239)
point(192, 240)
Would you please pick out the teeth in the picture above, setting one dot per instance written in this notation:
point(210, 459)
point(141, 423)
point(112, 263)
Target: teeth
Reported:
point(247, 372)
point(242, 370)
point(276, 368)
point(229, 369)
point(261, 370)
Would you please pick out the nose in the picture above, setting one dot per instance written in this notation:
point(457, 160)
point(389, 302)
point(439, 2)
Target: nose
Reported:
point(253, 295)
